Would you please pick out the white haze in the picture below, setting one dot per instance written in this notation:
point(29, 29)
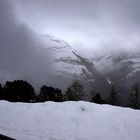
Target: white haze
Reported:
point(21, 52)
point(92, 27)
point(89, 26)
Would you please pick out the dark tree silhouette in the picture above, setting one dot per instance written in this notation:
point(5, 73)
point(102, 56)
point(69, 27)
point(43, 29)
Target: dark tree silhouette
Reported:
point(43, 95)
point(69, 95)
point(113, 95)
point(18, 91)
point(59, 95)
point(134, 96)
point(1, 92)
point(74, 92)
point(98, 99)
point(50, 94)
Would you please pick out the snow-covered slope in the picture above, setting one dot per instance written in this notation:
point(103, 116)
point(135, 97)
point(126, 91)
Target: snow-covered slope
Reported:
point(121, 65)
point(97, 73)
point(70, 64)
point(68, 121)
point(64, 59)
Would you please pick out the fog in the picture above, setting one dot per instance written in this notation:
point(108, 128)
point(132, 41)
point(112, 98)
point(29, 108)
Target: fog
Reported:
point(21, 56)
point(91, 27)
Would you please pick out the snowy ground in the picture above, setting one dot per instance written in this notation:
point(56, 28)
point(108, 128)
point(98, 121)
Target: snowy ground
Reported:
point(68, 121)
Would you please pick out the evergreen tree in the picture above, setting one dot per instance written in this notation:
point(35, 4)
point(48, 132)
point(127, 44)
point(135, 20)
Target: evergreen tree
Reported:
point(113, 94)
point(18, 91)
point(98, 99)
point(1, 92)
point(69, 95)
point(50, 94)
point(74, 92)
point(59, 95)
point(134, 96)
point(43, 96)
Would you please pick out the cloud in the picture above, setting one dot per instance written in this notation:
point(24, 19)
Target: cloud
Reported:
point(96, 24)
point(21, 56)
point(93, 27)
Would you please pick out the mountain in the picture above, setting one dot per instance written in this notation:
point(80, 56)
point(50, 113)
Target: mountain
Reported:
point(70, 60)
point(71, 65)
point(99, 73)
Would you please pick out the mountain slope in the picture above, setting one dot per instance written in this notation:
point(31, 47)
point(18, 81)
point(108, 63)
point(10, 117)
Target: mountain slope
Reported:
point(100, 73)
point(93, 68)
point(71, 64)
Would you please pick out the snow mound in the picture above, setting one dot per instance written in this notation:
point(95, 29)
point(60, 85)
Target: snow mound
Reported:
point(68, 121)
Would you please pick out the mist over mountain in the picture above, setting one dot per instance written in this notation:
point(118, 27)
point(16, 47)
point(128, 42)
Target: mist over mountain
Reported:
point(59, 58)
point(98, 59)
point(21, 56)
point(98, 73)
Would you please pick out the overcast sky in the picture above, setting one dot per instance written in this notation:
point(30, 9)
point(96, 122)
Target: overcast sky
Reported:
point(20, 56)
point(89, 26)
point(85, 24)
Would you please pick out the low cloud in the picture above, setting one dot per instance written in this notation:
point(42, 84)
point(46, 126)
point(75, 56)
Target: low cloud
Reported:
point(22, 53)
point(99, 25)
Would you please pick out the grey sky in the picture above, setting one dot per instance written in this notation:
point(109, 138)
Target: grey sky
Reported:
point(89, 26)
point(86, 24)
point(20, 55)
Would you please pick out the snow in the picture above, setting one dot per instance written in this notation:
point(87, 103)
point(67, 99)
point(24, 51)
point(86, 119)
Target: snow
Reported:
point(68, 121)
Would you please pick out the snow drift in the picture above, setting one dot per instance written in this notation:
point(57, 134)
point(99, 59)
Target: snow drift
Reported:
point(68, 121)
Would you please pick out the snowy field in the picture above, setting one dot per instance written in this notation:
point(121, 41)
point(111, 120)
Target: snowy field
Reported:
point(68, 121)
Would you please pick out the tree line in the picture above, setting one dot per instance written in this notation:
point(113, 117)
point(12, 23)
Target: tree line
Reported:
point(23, 91)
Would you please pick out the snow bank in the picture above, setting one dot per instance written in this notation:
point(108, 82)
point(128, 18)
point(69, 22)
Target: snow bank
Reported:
point(68, 121)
